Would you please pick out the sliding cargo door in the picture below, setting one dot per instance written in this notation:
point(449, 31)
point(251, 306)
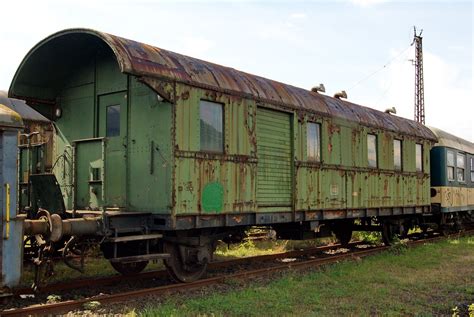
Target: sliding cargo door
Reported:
point(274, 151)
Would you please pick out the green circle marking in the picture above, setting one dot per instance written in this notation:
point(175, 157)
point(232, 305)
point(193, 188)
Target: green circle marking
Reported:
point(212, 198)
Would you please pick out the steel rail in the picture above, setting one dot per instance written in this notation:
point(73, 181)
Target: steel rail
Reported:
point(119, 297)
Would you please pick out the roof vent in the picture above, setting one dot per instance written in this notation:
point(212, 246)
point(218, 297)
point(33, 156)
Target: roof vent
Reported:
point(341, 94)
point(391, 110)
point(319, 88)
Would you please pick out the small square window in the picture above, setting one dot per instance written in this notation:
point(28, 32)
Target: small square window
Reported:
point(314, 141)
point(95, 174)
point(472, 169)
point(113, 121)
point(212, 126)
point(372, 150)
point(450, 163)
point(461, 167)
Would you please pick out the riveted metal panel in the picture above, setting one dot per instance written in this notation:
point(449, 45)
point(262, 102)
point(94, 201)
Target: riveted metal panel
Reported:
point(196, 171)
point(150, 160)
point(274, 151)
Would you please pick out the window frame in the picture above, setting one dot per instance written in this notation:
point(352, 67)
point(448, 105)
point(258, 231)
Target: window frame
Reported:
point(110, 115)
point(463, 180)
point(222, 107)
point(453, 167)
point(419, 170)
point(317, 146)
point(471, 159)
point(376, 150)
point(401, 155)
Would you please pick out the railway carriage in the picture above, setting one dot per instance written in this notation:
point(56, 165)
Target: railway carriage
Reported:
point(452, 180)
point(159, 155)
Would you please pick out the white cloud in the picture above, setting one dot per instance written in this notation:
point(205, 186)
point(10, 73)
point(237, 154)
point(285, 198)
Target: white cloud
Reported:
point(367, 3)
point(196, 46)
point(298, 15)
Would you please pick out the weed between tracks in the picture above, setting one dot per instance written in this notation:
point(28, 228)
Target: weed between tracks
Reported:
point(254, 248)
point(432, 279)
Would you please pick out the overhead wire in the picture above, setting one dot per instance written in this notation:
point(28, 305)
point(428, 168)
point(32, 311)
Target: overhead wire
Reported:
point(381, 68)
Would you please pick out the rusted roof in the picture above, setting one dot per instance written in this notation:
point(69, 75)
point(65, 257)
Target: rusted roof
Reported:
point(151, 63)
point(452, 141)
point(21, 108)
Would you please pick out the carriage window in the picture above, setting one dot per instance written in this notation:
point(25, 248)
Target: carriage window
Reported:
point(372, 150)
point(113, 121)
point(450, 165)
point(212, 116)
point(461, 166)
point(314, 141)
point(397, 155)
point(472, 169)
point(419, 157)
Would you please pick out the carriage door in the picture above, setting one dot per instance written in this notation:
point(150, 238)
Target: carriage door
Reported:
point(113, 126)
point(274, 152)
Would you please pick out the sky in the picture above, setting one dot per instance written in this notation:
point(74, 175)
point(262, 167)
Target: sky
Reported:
point(360, 46)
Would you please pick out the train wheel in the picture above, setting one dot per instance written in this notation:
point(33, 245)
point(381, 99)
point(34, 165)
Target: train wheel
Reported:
point(388, 233)
point(343, 231)
point(129, 268)
point(185, 264)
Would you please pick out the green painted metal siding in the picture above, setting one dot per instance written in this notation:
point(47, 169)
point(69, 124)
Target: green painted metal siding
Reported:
point(274, 151)
point(140, 178)
point(150, 161)
point(195, 170)
point(351, 184)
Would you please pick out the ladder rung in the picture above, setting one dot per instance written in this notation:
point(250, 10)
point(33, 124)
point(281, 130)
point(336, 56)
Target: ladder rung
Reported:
point(136, 237)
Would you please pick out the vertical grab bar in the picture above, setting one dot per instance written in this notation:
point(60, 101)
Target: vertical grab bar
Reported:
point(7, 210)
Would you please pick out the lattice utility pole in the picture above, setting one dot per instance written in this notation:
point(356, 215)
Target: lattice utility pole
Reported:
point(419, 82)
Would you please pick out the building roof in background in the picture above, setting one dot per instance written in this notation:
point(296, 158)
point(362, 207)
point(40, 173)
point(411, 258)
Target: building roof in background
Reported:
point(20, 107)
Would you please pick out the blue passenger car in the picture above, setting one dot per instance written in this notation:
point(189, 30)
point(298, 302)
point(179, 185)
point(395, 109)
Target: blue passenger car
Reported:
point(452, 178)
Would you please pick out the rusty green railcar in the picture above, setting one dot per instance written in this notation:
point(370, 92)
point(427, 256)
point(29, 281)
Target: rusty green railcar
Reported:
point(170, 153)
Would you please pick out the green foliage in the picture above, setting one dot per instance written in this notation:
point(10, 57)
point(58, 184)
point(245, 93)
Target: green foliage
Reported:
point(51, 299)
point(371, 237)
point(398, 246)
point(250, 248)
point(92, 305)
point(470, 310)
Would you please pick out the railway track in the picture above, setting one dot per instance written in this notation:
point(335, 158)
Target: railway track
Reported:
point(101, 281)
point(70, 305)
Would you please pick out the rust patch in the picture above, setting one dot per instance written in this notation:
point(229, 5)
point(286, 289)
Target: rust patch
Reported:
point(185, 95)
point(237, 219)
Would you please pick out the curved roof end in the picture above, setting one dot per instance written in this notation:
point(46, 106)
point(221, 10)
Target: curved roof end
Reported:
point(452, 141)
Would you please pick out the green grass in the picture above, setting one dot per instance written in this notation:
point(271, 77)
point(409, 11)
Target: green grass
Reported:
point(427, 280)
